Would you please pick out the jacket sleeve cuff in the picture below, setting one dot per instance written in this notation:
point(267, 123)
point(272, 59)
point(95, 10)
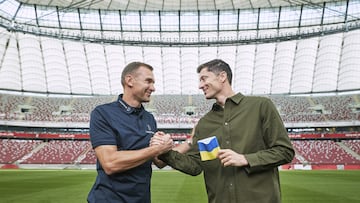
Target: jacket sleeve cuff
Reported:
point(253, 163)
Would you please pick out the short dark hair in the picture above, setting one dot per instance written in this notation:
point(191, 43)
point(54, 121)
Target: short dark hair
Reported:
point(216, 66)
point(131, 68)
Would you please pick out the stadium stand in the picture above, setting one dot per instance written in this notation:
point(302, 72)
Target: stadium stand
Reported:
point(354, 145)
point(172, 108)
point(57, 152)
point(12, 150)
point(278, 49)
point(24, 147)
point(89, 157)
point(40, 151)
point(323, 152)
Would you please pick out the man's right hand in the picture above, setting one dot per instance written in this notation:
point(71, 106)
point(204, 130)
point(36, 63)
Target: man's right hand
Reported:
point(162, 141)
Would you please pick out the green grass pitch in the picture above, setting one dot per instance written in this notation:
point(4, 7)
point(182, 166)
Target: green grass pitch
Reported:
point(55, 186)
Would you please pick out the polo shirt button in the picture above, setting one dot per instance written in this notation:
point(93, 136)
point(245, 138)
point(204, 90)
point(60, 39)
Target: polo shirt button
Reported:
point(226, 123)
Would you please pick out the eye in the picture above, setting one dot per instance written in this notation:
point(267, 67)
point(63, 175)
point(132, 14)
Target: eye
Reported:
point(150, 81)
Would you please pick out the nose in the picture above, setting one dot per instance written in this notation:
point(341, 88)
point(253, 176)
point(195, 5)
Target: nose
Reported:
point(152, 87)
point(201, 85)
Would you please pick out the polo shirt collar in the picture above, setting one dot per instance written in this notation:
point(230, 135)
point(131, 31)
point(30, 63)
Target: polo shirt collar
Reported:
point(236, 99)
point(129, 109)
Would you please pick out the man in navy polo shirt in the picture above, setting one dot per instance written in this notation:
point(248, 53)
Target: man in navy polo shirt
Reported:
point(120, 133)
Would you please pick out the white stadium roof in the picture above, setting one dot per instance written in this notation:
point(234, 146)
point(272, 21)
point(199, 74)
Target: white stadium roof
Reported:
point(172, 5)
point(273, 47)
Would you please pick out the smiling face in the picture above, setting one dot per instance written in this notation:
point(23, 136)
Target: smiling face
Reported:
point(210, 83)
point(138, 85)
point(142, 82)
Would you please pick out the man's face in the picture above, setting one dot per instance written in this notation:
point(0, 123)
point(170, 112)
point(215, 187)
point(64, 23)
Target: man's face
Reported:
point(209, 83)
point(143, 84)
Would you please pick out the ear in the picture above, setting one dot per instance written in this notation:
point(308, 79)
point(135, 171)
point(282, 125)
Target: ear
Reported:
point(223, 76)
point(129, 80)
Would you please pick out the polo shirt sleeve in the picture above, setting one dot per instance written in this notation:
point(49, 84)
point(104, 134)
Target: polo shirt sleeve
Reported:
point(101, 133)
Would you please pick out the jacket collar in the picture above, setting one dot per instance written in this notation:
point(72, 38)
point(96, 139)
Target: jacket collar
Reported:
point(235, 99)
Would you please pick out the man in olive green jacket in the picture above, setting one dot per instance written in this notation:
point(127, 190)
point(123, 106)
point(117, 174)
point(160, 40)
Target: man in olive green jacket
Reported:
point(252, 137)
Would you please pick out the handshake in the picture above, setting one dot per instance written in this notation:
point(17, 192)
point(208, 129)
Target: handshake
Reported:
point(162, 142)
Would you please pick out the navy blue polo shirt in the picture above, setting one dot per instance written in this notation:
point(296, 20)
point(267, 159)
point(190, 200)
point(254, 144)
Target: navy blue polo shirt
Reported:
point(128, 128)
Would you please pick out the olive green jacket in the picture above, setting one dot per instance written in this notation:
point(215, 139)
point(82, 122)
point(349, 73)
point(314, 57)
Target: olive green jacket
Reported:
point(248, 125)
